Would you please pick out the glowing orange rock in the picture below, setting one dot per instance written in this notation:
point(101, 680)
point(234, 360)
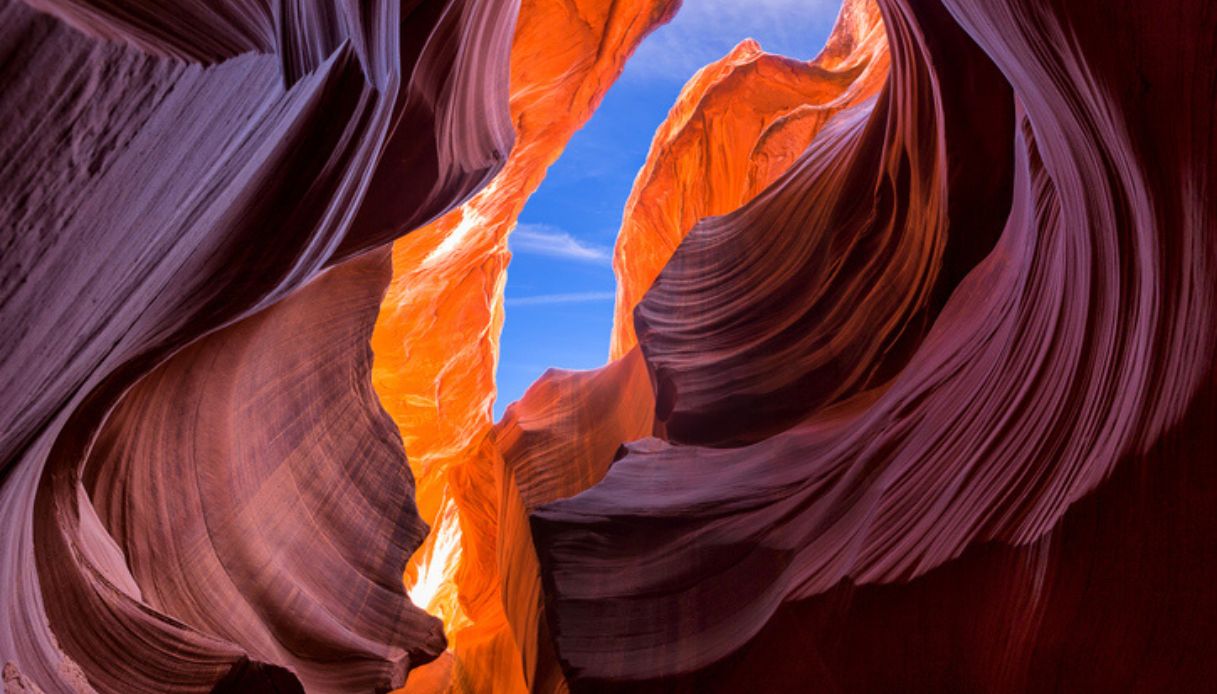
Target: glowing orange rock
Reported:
point(754, 114)
point(436, 339)
point(738, 124)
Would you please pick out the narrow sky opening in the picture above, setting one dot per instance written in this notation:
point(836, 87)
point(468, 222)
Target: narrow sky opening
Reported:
point(560, 284)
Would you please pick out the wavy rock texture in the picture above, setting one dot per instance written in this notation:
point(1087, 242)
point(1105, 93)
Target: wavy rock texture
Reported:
point(557, 441)
point(755, 113)
point(436, 339)
point(199, 488)
point(737, 125)
point(850, 245)
point(939, 401)
point(932, 410)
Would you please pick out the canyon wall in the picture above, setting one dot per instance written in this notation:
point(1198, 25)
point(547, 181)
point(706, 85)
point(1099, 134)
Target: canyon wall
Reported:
point(911, 382)
point(200, 489)
point(934, 409)
point(436, 338)
point(738, 124)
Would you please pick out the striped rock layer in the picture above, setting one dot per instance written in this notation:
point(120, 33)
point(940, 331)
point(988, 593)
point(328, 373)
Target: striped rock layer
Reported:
point(912, 371)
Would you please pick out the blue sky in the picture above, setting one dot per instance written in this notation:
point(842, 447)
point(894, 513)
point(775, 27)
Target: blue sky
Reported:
point(560, 284)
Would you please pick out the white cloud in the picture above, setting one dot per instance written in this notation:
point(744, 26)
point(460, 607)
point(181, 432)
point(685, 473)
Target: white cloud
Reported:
point(705, 30)
point(543, 239)
point(548, 299)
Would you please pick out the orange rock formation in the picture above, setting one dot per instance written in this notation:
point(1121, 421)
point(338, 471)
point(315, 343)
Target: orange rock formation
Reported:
point(756, 112)
point(436, 339)
point(738, 124)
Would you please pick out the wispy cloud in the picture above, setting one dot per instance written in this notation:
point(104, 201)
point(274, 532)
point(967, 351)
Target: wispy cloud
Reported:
point(704, 30)
point(549, 299)
point(543, 239)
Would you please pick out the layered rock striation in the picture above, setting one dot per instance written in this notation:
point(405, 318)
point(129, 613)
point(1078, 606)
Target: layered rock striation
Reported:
point(737, 125)
point(200, 489)
point(918, 398)
point(911, 383)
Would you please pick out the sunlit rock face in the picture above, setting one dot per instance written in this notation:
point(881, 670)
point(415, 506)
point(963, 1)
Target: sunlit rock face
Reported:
point(853, 246)
point(200, 490)
point(754, 114)
point(738, 124)
point(436, 339)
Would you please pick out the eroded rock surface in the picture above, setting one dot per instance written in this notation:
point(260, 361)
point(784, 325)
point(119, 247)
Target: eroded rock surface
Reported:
point(436, 339)
point(932, 375)
point(912, 381)
point(200, 489)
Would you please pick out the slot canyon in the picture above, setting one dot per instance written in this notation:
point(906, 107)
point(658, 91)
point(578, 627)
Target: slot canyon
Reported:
point(909, 385)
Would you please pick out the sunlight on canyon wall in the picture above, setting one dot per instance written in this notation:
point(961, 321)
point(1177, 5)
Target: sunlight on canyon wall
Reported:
point(919, 395)
point(436, 339)
point(738, 124)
